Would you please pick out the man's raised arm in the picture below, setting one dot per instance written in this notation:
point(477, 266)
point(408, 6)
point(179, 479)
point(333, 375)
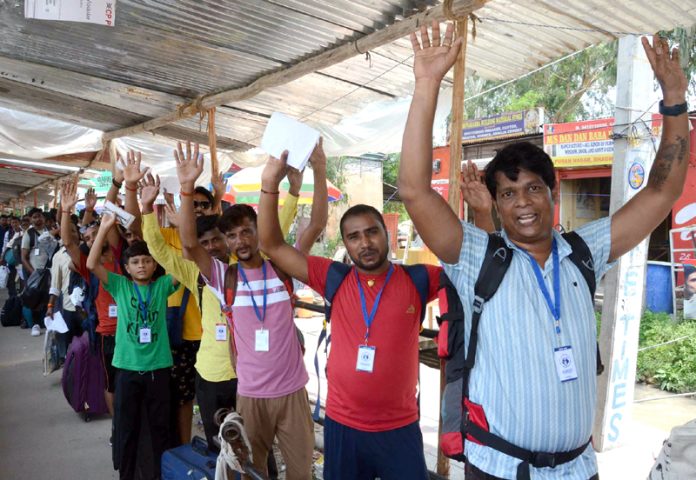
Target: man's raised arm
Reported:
point(436, 223)
point(290, 260)
point(189, 166)
point(320, 201)
point(68, 200)
point(644, 212)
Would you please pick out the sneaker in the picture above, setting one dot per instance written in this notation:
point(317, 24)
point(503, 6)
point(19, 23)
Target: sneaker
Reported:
point(35, 331)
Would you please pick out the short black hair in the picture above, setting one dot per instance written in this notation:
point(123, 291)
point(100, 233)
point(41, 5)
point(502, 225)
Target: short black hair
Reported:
point(235, 215)
point(135, 250)
point(362, 209)
point(205, 224)
point(516, 156)
point(36, 210)
point(206, 192)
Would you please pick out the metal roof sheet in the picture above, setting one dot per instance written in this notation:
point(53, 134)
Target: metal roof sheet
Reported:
point(161, 54)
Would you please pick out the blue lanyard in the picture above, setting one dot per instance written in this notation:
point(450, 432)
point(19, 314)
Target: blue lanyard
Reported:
point(370, 318)
point(253, 300)
point(554, 306)
point(143, 307)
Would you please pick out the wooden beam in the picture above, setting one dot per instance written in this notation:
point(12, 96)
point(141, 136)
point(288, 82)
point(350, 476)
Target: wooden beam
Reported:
point(312, 64)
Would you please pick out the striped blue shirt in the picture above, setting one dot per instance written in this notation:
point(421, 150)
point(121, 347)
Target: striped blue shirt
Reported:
point(515, 377)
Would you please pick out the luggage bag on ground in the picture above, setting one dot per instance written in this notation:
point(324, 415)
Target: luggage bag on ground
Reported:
point(83, 378)
point(192, 460)
point(11, 315)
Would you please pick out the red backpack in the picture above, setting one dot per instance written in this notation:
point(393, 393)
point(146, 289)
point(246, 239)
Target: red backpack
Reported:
point(462, 419)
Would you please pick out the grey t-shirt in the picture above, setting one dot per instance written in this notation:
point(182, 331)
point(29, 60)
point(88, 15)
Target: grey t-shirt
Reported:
point(43, 248)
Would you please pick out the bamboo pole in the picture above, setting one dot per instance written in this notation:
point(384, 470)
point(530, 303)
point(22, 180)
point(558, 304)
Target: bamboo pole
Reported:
point(457, 118)
point(312, 64)
point(454, 196)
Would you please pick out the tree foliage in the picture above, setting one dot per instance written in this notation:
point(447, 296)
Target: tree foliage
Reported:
point(559, 88)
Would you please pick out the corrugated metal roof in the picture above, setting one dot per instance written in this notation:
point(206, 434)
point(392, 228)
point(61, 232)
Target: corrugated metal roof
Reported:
point(163, 53)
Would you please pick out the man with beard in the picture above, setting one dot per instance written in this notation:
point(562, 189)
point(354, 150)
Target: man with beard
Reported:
point(215, 378)
point(371, 428)
point(259, 324)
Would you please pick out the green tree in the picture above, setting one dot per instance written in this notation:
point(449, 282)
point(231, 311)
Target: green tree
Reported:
point(559, 88)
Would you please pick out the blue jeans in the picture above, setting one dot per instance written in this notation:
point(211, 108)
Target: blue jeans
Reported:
point(351, 454)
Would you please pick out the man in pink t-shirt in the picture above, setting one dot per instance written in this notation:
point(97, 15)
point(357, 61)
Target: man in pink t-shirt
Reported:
point(259, 325)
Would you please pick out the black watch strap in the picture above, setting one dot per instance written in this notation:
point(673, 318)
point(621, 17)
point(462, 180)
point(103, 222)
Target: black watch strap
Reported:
point(674, 110)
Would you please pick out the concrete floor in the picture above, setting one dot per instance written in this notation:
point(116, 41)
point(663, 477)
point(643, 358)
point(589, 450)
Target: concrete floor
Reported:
point(41, 437)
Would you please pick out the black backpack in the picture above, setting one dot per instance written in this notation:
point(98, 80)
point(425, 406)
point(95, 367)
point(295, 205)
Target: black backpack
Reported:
point(462, 419)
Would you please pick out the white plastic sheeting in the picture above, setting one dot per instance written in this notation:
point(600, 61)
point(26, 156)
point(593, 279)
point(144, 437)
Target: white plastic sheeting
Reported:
point(25, 135)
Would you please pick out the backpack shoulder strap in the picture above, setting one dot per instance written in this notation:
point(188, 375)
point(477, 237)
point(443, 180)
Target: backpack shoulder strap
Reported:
point(334, 278)
point(230, 284)
point(495, 264)
point(581, 256)
point(287, 281)
point(184, 303)
point(421, 280)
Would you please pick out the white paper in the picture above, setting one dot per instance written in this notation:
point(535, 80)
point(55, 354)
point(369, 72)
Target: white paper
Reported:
point(77, 296)
point(285, 133)
point(101, 12)
point(57, 323)
point(123, 217)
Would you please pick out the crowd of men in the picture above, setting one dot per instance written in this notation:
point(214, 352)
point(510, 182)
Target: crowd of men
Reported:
point(226, 275)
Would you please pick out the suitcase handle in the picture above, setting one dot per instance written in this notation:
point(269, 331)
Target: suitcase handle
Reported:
point(200, 446)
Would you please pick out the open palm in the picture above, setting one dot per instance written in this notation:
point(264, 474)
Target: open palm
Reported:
point(189, 164)
point(432, 60)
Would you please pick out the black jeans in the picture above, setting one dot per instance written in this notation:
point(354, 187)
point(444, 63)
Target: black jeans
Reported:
point(133, 391)
point(473, 473)
point(211, 397)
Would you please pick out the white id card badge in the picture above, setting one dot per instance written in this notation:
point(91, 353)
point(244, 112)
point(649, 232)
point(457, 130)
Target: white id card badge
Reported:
point(37, 252)
point(145, 335)
point(565, 363)
point(262, 339)
point(113, 311)
point(366, 359)
point(220, 332)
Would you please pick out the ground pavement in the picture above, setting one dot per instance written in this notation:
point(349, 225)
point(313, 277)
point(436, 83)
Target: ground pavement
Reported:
point(41, 437)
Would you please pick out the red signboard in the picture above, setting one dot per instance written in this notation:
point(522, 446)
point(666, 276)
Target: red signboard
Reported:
point(684, 211)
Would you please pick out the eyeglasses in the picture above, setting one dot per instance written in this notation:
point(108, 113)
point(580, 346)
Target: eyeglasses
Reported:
point(205, 205)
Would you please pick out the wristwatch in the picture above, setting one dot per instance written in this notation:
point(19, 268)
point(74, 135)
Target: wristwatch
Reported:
point(674, 110)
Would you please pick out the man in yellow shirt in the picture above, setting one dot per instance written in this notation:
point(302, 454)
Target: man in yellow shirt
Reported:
point(216, 382)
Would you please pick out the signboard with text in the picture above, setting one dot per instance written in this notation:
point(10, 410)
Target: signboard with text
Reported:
point(580, 144)
point(504, 125)
point(101, 12)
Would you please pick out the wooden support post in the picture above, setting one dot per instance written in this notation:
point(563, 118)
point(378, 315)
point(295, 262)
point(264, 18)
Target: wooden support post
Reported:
point(454, 196)
point(457, 118)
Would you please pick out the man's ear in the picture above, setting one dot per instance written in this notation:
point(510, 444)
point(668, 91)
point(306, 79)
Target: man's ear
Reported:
point(555, 193)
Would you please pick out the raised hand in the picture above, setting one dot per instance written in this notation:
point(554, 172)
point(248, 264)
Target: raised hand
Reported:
point(117, 170)
point(433, 59)
point(172, 215)
point(219, 183)
point(108, 220)
point(318, 157)
point(131, 172)
point(189, 165)
point(474, 191)
point(68, 195)
point(273, 172)
point(667, 69)
point(295, 179)
point(149, 189)
point(90, 199)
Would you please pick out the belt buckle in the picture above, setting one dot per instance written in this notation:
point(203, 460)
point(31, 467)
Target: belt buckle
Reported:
point(544, 459)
